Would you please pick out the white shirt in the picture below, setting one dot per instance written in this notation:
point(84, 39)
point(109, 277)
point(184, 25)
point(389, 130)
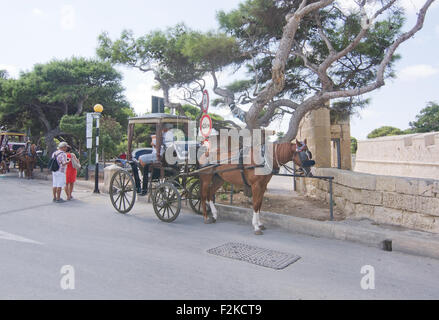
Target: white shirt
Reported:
point(168, 138)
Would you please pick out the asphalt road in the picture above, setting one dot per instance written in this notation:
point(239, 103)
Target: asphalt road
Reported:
point(136, 256)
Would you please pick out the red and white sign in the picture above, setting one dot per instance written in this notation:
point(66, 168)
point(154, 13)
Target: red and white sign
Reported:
point(205, 101)
point(205, 125)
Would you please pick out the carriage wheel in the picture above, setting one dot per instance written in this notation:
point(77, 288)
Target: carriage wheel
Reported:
point(195, 198)
point(122, 191)
point(166, 202)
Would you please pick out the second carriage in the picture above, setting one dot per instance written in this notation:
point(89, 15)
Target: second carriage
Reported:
point(169, 184)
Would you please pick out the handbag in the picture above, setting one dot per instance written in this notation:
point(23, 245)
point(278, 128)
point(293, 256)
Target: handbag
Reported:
point(75, 163)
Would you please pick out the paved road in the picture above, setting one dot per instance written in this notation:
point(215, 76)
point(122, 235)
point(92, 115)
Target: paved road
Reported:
point(138, 257)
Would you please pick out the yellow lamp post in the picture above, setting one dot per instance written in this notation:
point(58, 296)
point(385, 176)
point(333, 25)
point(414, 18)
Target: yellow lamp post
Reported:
point(98, 108)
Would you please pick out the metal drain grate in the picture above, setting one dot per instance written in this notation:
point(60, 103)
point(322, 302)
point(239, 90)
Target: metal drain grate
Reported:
point(259, 256)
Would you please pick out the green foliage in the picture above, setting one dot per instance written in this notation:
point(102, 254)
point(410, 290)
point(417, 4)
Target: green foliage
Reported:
point(427, 120)
point(39, 99)
point(74, 125)
point(354, 145)
point(385, 131)
point(211, 51)
point(341, 110)
point(110, 136)
point(4, 75)
point(142, 136)
point(158, 51)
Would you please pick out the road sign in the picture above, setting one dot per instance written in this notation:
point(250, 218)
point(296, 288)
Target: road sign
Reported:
point(205, 125)
point(205, 101)
point(89, 130)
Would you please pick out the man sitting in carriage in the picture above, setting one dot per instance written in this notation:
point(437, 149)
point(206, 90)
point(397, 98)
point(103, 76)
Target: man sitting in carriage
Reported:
point(147, 159)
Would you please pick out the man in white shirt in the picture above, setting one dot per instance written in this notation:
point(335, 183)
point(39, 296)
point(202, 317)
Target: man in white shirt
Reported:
point(146, 159)
point(59, 177)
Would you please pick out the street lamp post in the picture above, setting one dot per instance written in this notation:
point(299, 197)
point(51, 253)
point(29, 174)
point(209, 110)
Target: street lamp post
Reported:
point(98, 110)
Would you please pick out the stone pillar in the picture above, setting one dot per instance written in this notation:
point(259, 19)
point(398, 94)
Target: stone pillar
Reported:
point(342, 130)
point(316, 128)
point(108, 174)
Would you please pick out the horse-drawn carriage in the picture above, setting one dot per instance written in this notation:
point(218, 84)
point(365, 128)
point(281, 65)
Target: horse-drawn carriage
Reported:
point(16, 148)
point(168, 183)
point(185, 179)
point(10, 143)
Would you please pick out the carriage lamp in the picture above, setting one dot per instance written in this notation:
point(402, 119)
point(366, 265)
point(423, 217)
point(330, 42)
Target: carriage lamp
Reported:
point(98, 108)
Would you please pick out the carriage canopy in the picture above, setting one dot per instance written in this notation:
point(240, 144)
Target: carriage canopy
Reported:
point(158, 120)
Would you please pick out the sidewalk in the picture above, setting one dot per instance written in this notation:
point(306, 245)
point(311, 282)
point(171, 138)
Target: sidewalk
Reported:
point(83, 183)
point(360, 231)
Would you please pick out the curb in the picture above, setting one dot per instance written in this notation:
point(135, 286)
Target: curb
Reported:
point(406, 241)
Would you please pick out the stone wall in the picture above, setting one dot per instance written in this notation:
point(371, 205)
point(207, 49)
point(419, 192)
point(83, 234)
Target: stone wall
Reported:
point(413, 155)
point(401, 201)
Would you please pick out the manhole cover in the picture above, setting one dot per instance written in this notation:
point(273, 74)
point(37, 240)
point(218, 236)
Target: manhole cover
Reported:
point(259, 256)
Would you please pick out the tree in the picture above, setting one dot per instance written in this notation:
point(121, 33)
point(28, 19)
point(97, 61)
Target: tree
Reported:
point(74, 125)
point(110, 137)
point(354, 145)
point(171, 55)
point(159, 52)
point(300, 55)
point(385, 131)
point(40, 98)
point(4, 75)
point(427, 120)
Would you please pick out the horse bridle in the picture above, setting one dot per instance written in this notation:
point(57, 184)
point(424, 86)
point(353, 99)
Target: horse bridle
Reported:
point(289, 169)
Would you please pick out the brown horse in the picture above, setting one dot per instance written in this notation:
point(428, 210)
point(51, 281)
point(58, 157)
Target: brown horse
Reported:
point(4, 164)
point(212, 178)
point(26, 160)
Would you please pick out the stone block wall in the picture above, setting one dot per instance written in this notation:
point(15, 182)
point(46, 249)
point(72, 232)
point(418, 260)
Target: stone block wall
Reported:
point(400, 201)
point(413, 155)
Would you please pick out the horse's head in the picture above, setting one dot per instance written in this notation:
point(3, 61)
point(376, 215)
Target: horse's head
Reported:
point(33, 149)
point(303, 157)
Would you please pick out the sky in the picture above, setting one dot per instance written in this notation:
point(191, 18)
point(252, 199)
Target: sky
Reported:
point(38, 31)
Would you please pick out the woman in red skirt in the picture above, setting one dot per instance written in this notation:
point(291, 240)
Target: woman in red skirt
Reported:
point(70, 174)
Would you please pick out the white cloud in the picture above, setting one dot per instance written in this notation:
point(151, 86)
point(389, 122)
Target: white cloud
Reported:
point(140, 97)
point(417, 71)
point(68, 17)
point(413, 6)
point(37, 12)
point(13, 71)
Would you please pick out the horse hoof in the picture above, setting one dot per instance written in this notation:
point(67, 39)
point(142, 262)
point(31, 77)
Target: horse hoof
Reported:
point(213, 220)
point(262, 227)
point(209, 221)
point(259, 233)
